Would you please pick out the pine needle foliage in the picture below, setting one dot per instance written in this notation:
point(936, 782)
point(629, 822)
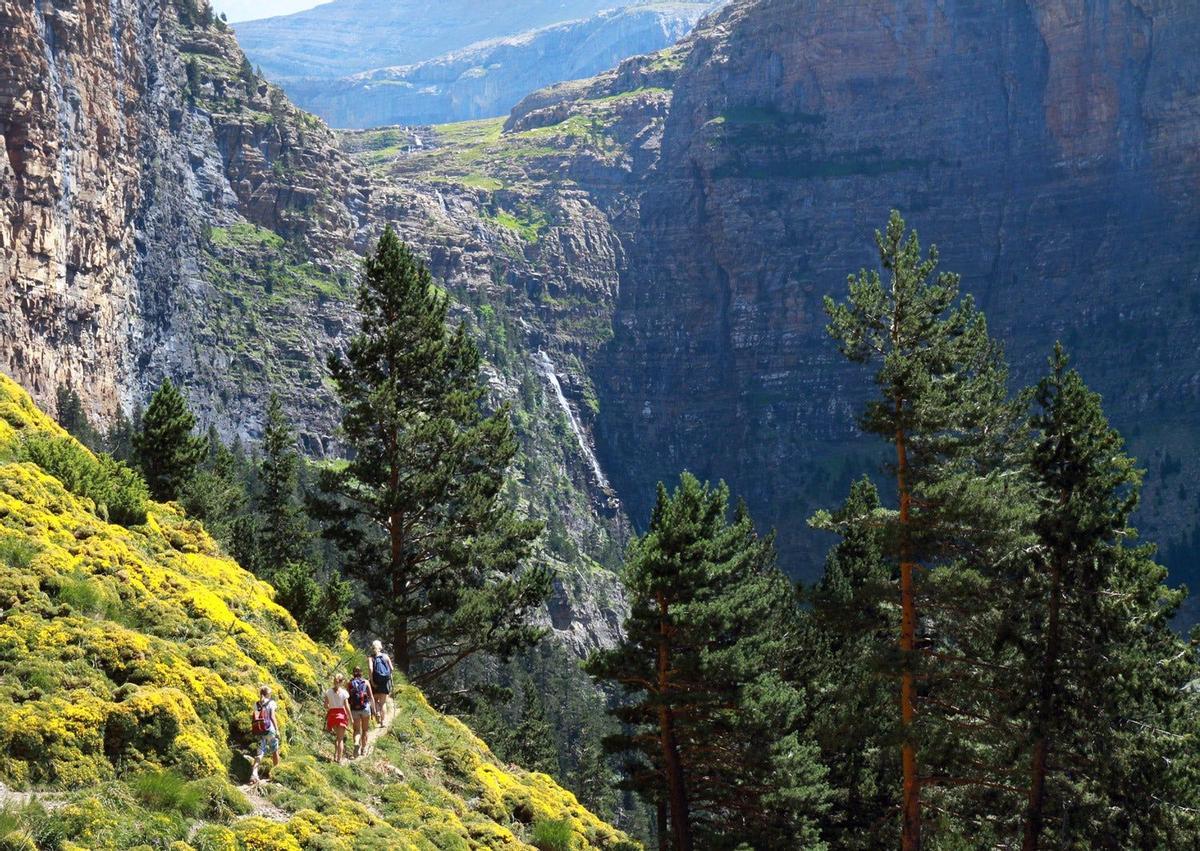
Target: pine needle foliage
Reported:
point(714, 712)
point(167, 450)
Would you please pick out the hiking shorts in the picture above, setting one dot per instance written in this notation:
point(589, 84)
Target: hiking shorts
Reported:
point(268, 744)
point(360, 714)
point(382, 686)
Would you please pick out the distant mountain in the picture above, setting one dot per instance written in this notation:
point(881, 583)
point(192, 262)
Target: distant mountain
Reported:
point(490, 77)
point(348, 36)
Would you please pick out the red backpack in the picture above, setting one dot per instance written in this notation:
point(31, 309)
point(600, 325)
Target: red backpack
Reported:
point(260, 722)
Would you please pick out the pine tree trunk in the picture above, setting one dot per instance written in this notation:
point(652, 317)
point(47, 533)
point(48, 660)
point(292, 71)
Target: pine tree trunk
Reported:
point(680, 827)
point(910, 834)
point(1041, 747)
point(401, 655)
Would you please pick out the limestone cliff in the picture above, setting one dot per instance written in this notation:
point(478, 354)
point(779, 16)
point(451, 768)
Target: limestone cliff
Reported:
point(168, 212)
point(1049, 148)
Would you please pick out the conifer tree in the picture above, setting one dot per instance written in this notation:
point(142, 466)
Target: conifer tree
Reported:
point(850, 650)
point(284, 537)
point(943, 406)
point(71, 416)
point(532, 743)
point(715, 713)
point(417, 508)
point(167, 450)
point(216, 492)
point(1106, 673)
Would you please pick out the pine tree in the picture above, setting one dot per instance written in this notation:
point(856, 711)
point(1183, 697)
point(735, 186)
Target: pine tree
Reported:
point(167, 450)
point(72, 417)
point(708, 662)
point(1106, 674)
point(943, 406)
point(417, 508)
point(284, 536)
point(216, 492)
point(850, 652)
point(532, 743)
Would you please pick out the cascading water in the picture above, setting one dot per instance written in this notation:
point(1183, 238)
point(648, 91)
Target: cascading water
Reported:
point(546, 366)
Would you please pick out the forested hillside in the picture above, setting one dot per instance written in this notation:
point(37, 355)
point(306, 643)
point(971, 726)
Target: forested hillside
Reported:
point(131, 654)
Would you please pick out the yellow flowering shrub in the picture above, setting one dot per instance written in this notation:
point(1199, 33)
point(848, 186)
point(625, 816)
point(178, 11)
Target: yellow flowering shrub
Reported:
point(129, 651)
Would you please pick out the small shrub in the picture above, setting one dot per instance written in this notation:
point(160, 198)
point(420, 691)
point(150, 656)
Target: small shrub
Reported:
point(220, 801)
point(553, 836)
point(119, 493)
point(167, 791)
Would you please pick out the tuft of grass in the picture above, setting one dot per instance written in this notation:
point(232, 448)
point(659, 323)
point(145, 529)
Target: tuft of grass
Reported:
point(168, 791)
point(555, 835)
point(17, 552)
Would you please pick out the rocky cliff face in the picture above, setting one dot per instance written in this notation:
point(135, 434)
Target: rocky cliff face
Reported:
point(1049, 148)
point(488, 79)
point(168, 212)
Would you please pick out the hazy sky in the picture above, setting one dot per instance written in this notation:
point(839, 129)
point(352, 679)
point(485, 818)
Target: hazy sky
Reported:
point(248, 10)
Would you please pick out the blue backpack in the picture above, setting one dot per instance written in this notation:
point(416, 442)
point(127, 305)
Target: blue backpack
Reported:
point(358, 694)
point(381, 670)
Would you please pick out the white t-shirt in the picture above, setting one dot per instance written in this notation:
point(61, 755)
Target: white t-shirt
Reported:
point(335, 698)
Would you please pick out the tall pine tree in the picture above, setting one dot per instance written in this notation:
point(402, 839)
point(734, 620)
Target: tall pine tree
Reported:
point(283, 534)
point(716, 732)
point(943, 406)
point(417, 508)
point(167, 450)
point(1109, 719)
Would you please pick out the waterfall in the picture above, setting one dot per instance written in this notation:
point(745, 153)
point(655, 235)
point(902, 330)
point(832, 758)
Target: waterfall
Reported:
point(546, 367)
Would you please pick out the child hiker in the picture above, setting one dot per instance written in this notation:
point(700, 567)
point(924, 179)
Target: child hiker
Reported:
point(362, 707)
point(265, 725)
point(337, 715)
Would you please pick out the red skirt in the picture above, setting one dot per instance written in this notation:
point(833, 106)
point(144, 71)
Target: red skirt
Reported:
point(336, 717)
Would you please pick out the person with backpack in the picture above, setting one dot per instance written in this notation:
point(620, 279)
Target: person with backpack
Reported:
point(362, 703)
point(265, 725)
point(380, 666)
point(337, 715)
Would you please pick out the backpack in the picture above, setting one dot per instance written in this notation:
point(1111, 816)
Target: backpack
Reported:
point(260, 722)
point(381, 668)
point(358, 694)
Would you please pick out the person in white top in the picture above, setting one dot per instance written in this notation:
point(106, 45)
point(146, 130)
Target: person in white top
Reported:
point(337, 715)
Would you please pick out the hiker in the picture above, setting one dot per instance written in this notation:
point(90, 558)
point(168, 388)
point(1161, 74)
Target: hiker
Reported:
point(265, 725)
point(337, 715)
point(362, 707)
point(380, 666)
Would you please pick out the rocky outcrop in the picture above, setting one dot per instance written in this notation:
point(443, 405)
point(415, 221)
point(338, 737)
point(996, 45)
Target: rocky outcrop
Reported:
point(488, 79)
point(1049, 148)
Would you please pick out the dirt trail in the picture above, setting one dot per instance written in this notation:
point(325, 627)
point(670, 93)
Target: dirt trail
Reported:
point(256, 794)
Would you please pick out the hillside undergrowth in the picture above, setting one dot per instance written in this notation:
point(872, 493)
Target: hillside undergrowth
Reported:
point(129, 660)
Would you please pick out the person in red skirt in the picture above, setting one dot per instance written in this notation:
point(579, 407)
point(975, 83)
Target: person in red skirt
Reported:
point(337, 716)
